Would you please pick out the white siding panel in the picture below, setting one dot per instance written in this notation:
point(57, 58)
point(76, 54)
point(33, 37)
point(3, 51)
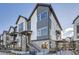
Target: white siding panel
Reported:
point(34, 26)
point(54, 27)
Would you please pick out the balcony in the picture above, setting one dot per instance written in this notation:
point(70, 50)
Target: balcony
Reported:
point(26, 32)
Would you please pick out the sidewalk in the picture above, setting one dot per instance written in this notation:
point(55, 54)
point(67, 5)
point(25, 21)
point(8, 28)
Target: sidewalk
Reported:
point(19, 52)
point(63, 52)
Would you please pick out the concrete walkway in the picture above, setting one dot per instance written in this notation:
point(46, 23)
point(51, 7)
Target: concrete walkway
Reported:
point(64, 52)
point(3, 53)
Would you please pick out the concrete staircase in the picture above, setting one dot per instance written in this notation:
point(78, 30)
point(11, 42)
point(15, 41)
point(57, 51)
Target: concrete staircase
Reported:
point(37, 49)
point(34, 46)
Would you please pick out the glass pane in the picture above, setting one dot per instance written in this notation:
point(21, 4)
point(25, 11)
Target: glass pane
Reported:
point(44, 31)
point(39, 33)
point(20, 27)
point(39, 17)
point(43, 15)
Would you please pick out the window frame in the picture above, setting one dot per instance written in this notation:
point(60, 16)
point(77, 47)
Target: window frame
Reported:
point(40, 15)
point(40, 31)
point(21, 27)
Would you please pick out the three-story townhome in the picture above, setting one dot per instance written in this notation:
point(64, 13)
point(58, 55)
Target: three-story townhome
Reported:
point(12, 42)
point(45, 27)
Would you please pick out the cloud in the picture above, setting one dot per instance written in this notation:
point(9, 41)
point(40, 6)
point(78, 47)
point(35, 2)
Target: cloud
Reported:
point(68, 32)
point(68, 29)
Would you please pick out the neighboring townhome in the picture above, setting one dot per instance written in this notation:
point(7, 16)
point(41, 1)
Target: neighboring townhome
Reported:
point(45, 27)
point(5, 33)
point(23, 33)
point(1, 41)
point(76, 32)
point(12, 42)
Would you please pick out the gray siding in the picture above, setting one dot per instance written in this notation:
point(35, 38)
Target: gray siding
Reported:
point(42, 23)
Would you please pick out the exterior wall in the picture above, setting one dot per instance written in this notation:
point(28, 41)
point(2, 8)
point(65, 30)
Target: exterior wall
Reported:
point(54, 27)
point(22, 20)
point(11, 37)
point(42, 23)
point(11, 30)
point(53, 44)
point(1, 39)
point(75, 29)
point(75, 34)
point(18, 38)
point(4, 39)
point(29, 25)
point(34, 26)
point(24, 43)
point(77, 45)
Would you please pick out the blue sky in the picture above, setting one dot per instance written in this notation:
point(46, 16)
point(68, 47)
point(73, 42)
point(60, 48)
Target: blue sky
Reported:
point(10, 12)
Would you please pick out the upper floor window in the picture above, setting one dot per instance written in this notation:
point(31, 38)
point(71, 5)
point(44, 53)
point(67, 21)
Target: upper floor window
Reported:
point(42, 31)
point(39, 17)
point(20, 27)
point(43, 15)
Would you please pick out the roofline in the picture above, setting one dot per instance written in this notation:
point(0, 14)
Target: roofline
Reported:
point(46, 5)
point(19, 18)
point(75, 19)
point(5, 31)
point(38, 4)
point(10, 28)
point(1, 34)
point(55, 16)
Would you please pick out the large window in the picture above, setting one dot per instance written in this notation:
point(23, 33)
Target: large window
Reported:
point(21, 27)
point(39, 17)
point(43, 15)
point(42, 31)
point(39, 33)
